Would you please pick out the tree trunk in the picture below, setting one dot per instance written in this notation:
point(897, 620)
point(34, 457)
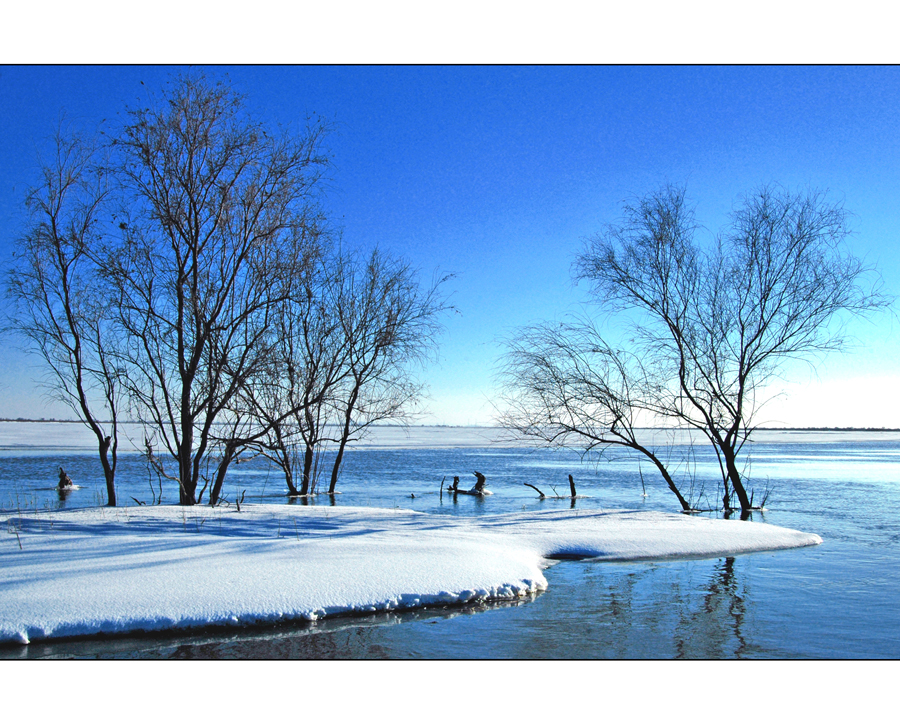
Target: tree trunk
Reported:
point(285, 461)
point(345, 436)
point(308, 457)
point(337, 465)
point(109, 471)
point(187, 483)
point(478, 488)
point(110, 486)
point(289, 476)
point(542, 496)
point(220, 474)
point(685, 506)
point(734, 477)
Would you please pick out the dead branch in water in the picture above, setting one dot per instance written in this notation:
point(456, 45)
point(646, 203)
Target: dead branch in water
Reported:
point(534, 488)
point(477, 489)
point(557, 496)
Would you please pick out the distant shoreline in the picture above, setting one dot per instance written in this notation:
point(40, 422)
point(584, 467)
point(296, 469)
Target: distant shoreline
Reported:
point(499, 427)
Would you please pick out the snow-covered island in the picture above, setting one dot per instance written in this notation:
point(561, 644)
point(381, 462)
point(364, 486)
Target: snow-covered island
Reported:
point(116, 570)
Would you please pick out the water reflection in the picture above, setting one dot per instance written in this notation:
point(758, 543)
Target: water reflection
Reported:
point(310, 500)
point(358, 637)
point(612, 610)
point(664, 610)
point(715, 629)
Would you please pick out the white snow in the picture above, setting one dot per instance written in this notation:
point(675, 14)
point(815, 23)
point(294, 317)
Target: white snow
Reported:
point(113, 570)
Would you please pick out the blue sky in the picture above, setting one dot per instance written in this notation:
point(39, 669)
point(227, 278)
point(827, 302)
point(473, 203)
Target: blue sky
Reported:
point(498, 173)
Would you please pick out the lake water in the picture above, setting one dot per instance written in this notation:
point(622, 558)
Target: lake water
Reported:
point(836, 600)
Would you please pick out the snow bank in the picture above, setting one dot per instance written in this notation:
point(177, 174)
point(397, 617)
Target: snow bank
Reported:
point(115, 570)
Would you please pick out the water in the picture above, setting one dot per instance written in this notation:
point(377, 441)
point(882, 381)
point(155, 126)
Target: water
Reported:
point(836, 600)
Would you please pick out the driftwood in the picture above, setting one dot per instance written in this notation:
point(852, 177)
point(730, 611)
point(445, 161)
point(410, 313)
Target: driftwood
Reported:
point(477, 489)
point(557, 496)
point(534, 488)
point(480, 482)
point(65, 481)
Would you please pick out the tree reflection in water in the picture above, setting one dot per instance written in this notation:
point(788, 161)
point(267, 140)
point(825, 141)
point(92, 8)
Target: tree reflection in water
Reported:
point(715, 629)
point(676, 609)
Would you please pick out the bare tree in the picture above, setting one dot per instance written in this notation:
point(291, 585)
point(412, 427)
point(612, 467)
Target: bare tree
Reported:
point(718, 323)
point(565, 386)
point(261, 416)
point(314, 357)
point(226, 317)
point(290, 398)
point(389, 322)
point(220, 212)
point(56, 284)
point(265, 414)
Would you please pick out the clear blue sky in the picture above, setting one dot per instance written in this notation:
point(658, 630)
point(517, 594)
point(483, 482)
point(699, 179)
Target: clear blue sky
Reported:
point(498, 173)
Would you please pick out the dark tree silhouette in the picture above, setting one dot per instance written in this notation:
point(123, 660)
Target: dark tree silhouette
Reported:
point(712, 324)
point(220, 212)
point(564, 386)
point(56, 282)
point(389, 323)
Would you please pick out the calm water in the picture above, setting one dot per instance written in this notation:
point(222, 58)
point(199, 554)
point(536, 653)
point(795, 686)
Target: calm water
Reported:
point(837, 600)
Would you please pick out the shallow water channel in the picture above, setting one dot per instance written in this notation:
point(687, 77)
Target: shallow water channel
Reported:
point(836, 600)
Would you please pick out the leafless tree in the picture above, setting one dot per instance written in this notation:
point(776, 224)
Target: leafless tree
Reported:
point(56, 284)
point(219, 212)
point(347, 347)
point(565, 386)
point(717, 323)
point(288, 399)
point(215, 302)
point(262, 416)
point(389, 322)
point(314, 355)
